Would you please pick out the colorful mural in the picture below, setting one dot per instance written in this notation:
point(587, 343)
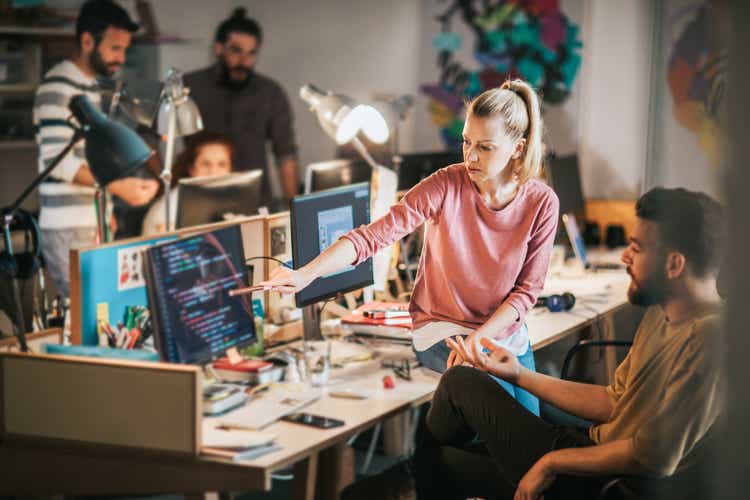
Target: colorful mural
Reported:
point(696, 77)
point(529, 39)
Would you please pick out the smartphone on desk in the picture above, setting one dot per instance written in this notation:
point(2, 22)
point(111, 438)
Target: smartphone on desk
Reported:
point(313, 420)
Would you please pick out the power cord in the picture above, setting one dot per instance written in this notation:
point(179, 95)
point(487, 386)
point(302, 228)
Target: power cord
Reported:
point(336, 298)
point(269, 258)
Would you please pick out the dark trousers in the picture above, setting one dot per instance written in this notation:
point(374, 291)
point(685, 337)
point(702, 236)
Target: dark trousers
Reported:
point(479, 441)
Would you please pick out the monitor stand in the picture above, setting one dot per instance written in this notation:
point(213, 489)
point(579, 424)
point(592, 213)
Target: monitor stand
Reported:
point(311, 323)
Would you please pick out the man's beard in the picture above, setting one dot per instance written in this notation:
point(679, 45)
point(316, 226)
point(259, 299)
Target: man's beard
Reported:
point(100, 66)
point(652, 290)
point(230, 81)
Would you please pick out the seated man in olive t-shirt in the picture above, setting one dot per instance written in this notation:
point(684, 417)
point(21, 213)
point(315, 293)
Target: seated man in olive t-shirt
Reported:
point(654, 420)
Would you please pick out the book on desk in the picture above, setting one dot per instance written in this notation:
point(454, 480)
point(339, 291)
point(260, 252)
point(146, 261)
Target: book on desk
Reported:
point(380, 319)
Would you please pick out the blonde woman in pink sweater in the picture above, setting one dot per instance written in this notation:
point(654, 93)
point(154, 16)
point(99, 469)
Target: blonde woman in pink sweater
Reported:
point(489, 230)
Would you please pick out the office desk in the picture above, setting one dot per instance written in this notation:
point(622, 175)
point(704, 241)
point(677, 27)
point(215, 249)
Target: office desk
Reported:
point(45, 468)
point(598, 296)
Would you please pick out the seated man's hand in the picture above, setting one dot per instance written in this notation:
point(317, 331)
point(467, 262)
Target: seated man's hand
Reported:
point(536, 480)
point(497, 360)
point(458, 356)
point(133, 190)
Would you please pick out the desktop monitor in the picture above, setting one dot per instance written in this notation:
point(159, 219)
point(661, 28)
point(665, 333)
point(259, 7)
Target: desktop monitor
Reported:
point(203, 200)
point(335, 173)
point(565, 178)
point(416, 166)
point(318, 220)
point(188, 280)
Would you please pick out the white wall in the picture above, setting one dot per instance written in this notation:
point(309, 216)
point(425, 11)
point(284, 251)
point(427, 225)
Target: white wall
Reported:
point(561, 122)
point(678, 159)
point(363, 48)
point(605, 120)
point(614, 116)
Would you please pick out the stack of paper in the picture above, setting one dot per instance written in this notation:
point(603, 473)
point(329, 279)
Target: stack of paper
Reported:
point(383, 319)
point(238, 444)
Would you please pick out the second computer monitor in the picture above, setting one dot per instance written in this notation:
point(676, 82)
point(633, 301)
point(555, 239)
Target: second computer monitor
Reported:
point(203, 200)
point(318, 220)
point(416, 166)
point(565, 177)
point(335, 173)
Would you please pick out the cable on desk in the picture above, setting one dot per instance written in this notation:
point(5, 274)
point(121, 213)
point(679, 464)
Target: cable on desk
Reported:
point(269, 258)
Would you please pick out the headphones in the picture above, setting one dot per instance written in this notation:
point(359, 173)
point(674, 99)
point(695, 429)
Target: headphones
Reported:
point(22, 264)
point(557, 303)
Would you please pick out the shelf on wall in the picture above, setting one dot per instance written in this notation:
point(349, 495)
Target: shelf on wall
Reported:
point(36, 31)
point(17, 144)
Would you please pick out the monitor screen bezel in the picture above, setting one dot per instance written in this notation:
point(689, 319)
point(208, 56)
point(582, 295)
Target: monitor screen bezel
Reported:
point(244, 179)
point(340, 164)
point(299, 299)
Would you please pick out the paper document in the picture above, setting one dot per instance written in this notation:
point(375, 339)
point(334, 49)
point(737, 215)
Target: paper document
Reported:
point(267, 408)
point(215, 437)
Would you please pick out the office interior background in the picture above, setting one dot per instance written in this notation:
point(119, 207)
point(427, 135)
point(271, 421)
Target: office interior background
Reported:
point(620, 117)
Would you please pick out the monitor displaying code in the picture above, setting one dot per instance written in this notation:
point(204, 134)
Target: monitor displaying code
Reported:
point(189, 283)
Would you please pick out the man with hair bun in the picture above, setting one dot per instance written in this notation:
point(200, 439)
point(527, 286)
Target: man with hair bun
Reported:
point(248, 107)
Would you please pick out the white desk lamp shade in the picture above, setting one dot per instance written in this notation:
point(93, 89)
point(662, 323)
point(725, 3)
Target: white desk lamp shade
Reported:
point(187, 116)
point(340, 119)
point(372, 123)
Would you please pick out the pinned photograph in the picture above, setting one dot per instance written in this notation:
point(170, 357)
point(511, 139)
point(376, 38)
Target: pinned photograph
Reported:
point(278, 241)
point(130, 268)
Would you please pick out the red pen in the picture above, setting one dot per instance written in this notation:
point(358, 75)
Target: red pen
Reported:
point(132, 337)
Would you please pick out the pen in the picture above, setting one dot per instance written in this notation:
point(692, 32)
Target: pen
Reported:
point(245, 291)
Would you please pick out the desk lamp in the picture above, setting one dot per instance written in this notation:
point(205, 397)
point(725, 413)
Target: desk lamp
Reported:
point(112, 150)
point(395, 111)
point(341, 119)
point(178, 116)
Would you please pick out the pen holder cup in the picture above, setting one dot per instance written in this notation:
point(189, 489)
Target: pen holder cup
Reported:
point(317, 362)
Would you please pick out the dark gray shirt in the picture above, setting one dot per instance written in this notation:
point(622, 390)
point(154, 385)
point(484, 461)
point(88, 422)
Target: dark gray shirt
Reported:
point(251, 116)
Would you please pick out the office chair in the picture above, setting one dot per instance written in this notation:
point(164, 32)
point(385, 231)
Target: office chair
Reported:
point(613, 488)
point(688, 485)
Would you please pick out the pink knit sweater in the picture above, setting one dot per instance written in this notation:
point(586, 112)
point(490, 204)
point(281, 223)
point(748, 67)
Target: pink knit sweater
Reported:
point(474, 258)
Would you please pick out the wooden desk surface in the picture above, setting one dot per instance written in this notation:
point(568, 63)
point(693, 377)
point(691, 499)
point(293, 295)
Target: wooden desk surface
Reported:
point(298, 441)
point(44, 468)
point(35, 467)
point(597, 294)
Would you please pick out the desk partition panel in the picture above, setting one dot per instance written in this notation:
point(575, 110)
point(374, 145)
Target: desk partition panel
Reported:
point(138, 405)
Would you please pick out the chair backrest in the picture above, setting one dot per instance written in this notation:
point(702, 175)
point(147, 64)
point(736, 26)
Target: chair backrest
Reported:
point(588, 344)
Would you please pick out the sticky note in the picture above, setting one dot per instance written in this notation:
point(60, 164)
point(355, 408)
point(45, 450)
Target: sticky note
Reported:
point(102, 314)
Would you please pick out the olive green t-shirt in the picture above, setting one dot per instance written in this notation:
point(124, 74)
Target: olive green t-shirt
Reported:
point(668, 392)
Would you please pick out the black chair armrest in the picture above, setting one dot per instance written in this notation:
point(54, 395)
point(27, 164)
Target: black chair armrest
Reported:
point(586, 344)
